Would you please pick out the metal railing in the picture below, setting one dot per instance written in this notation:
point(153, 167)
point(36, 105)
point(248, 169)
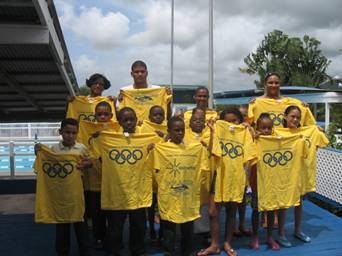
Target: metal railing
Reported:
point(12, 152)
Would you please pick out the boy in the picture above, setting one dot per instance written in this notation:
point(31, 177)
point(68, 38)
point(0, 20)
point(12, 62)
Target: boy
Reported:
point(126, 186)
point(59, 197)
point(178, 170)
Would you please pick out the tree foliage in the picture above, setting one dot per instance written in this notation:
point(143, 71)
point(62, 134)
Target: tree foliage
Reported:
point(298, 61)
point(84, 90)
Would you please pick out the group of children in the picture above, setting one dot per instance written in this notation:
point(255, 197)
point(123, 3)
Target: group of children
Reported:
point(127, 166)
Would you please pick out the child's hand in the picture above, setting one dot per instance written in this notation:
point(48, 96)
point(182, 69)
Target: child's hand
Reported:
point(252, 101)
point(211, 123)
point(150, 147)
point(70, 98)
point(160, 134)
point(84, 163)
point(305, 104)
point(140, 122)
point(320, 128)
point(168, 91)
point(112, 98)
point(257, 134)
point(203, 143)
point(37, 147)
point(96, 134)
point(246, 124)
point(120, 96)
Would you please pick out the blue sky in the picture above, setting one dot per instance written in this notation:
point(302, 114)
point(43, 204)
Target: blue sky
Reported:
point(107, 36)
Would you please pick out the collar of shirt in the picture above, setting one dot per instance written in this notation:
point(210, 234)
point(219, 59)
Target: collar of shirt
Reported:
point(75, 146)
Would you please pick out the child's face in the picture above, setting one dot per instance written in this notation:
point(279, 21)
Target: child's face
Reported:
point(231, 118)
point(272, 86)
point(128, 121)
point(244, 112)
point(197, 121)
point(157, 115)
point(293, 118)
point(97, 88)
point(176, 132)
point(201, 98)
point(69, 134)
point(103, 114)
point(265, 126)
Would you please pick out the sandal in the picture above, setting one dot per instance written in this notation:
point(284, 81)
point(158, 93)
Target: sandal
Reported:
point(301, 236)
point(231, 252)
point(284, 242)
point(205, 252)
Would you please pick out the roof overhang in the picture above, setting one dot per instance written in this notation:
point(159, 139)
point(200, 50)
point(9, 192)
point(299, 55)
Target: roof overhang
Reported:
point(36, 74)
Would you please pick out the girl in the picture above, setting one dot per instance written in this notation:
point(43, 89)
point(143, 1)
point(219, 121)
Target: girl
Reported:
point(237, 150)
point(314, 138)
point(264, 126)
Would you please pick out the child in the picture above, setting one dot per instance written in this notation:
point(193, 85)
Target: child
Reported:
point(156, 122)
point(126, 188)
point(83, 107)
point(70, 210)
point(199, 132)
point(230, 181)
point(103, 115)
point(178, 173)
point(264, 126)
point(314, 138)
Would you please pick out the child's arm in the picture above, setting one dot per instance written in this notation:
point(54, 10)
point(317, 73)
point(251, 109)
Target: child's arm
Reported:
point(37, 147)
point(160, 133)
point(210, 124)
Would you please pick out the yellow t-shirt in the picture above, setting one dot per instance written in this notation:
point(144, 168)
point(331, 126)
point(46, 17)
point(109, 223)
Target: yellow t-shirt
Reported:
point(178, 173)
point(237, 150)
point(276, 109)
point(83, 107)
point(279, 171)
point(208, 115)
point(126, 182)
point(59, 189)
point(92, 176)
point(141, 100)
point(314, 138)
point(150, 127)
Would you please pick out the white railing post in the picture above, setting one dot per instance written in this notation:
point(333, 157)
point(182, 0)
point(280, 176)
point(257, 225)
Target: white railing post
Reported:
point(12, 159)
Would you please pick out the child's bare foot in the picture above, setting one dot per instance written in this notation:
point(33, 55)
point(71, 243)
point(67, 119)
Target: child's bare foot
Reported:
point(229, 250)
point(211, 250)
point(272, 244)
point(254, 244)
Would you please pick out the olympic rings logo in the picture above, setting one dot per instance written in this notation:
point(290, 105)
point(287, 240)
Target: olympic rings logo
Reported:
point(281, 158)
point(277, 119)
point(86, 117)
point(54, 169)
point(125, 155)
point(231, 150)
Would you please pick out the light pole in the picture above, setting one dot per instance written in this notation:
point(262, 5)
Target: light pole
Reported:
point(211, 54)
point(172, 39)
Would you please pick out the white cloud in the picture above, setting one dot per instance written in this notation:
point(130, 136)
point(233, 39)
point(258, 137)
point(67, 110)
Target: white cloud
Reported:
point(104, 31)
point(141, 30)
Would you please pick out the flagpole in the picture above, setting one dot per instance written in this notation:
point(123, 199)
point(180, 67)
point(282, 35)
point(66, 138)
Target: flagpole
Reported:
point(172, 40)
point(211, 55)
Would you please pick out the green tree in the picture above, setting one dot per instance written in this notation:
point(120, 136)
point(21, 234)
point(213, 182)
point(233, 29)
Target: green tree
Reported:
point(298, 61)
point(84, 90)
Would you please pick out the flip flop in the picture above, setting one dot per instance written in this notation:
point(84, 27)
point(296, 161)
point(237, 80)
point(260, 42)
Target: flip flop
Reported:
point(284, 242)
point(206, 252)
point(301, 236)
point(231, 252)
